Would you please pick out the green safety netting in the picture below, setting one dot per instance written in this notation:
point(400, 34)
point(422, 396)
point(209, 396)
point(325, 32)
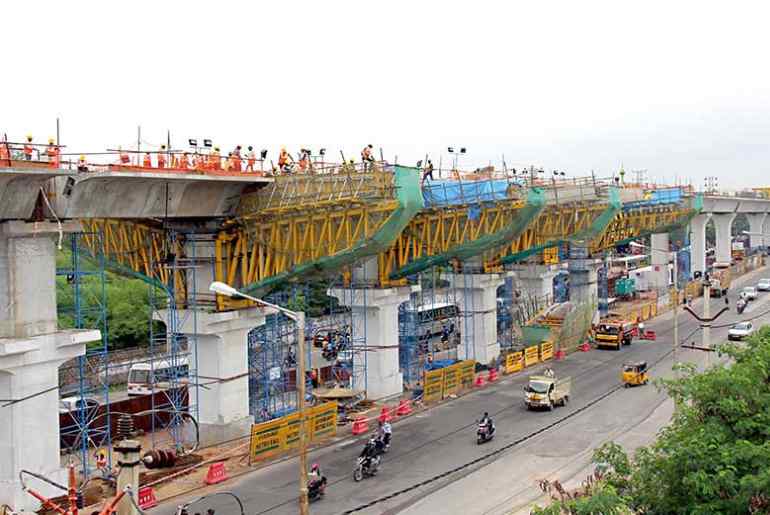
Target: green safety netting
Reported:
point(593, 231)
point(410, 202)
point(519, 222)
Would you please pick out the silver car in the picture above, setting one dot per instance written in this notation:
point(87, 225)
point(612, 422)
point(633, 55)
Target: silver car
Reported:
point(763, 285)
point(740, 331)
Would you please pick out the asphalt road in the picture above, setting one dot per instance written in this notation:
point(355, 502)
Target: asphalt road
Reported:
point(443, 438)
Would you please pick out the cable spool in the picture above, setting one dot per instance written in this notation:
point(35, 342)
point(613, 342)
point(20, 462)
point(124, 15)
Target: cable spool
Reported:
point(125, 426)
point(159, 458)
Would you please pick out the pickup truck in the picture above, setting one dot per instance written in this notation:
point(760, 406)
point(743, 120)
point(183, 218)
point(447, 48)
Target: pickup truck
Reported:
point(547, 392)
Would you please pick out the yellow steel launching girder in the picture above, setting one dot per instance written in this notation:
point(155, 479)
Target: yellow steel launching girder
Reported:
point(627, 224)
point(136, 248)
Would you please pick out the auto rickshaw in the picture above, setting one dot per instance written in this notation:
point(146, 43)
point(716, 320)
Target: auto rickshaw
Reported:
point(635, 374)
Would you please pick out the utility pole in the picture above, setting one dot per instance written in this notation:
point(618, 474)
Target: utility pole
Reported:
point(676, 312)
point(129, 461)
point(304, 509)
point(707, 322)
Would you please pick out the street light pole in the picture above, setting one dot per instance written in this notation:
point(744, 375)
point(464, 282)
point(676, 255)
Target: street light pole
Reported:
point(676, 312)
point(299, 318)
point(707, 323)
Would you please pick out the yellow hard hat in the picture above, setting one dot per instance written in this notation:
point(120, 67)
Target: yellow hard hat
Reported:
point(29, 137)
point(216, 149)
point(83, 157)
point(50, 141)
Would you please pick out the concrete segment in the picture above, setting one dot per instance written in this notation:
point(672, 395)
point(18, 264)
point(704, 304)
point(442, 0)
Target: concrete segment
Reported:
point(756, 228)
point(698, 242)
point(536, 280)
point(19, 190)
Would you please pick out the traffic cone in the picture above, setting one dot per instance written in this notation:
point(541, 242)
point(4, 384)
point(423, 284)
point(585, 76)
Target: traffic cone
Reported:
point(404, 408)
point(360, 425)
point(560, 354)
point(492, 377)
point(479, 381)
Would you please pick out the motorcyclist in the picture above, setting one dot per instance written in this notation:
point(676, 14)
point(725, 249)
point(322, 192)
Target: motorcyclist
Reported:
point(486, 421)
point(370, 451)
point(741, 304)
point(315, 475)
point(386, 432)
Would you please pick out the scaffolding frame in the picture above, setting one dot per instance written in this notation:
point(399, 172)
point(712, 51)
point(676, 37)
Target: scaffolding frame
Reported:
point(91, 424)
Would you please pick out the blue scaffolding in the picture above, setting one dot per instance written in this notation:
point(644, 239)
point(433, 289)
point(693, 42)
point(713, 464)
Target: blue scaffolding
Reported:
point(90, 419)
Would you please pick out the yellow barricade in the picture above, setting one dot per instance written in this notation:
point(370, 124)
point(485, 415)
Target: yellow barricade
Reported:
point(546, 351)
point(267, 439)
point(645, 313)
point(467, 372)
point(324, 421)
point(514, 362)
point(451, 380)
point(281, 434)
point(434, 385)
point(531, 355)
point(653, 309)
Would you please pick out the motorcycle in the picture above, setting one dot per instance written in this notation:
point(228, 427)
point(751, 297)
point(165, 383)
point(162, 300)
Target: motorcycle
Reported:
point(316, 489)
point(740, 306)
point(484, 433)
point(366, 468)
point(383, 443)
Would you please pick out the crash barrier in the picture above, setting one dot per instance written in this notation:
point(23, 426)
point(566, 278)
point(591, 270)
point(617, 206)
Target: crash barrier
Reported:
point(546, 351)
point(639, 312)
point(447, 381)
point(514, 362)
point(532, 355)
point(279, 435)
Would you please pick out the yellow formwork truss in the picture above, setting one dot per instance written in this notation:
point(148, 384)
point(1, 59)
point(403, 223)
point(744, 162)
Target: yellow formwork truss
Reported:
point(628, 224)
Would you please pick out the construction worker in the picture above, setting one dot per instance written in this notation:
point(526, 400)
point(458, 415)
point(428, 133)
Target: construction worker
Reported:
point(215, 160)
point(283, 160)
point(237, 163)
point(304, 161)
point(147, 163)
point(162, 157)
point(428, 171)
point(101, 462)
point(200, 162)
point(82, 165)
point(366, 156)
point(53, 154)
point(28, 148)
point(251, 159)
point(183, 162)
point(5, 154)
point(124, 158)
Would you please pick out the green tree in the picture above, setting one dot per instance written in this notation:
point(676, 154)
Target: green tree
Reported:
point(714, 457)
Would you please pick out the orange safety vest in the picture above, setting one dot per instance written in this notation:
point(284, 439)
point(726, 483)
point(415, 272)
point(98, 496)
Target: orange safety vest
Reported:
point(124, 159)
point(215, 161)
point(147, 161)
point(183, 163)
point(303, 163)
point(3, 151)
point(283, 158)
point(161, 161)
point(53, 155)
point(27, 150)
point(236, 165)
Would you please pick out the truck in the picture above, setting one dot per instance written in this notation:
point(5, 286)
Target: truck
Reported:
point(738, 251)
point(719, 279)
point(612, 333)
point(546, 391)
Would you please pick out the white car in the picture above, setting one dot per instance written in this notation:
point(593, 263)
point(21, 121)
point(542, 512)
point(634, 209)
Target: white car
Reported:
point(763, 285)
point(740, 331)
point(749, 292)
point(73, 404)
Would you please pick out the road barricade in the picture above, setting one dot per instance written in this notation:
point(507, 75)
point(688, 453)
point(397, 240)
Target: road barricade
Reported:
point(146, 497)
point(546, 351)
point(275, 436)
point(514, 362)
point(531, 355)
point(434, 385)
point(216, 474)
point(451, 381)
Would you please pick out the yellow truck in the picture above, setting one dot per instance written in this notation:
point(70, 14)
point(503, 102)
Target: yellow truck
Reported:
point(611, 334)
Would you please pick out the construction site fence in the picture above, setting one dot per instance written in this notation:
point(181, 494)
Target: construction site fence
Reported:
point(282, 434)
point(447, 381)
point(528, 357)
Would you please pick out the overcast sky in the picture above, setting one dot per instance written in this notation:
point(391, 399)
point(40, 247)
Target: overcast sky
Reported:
point(677, 88)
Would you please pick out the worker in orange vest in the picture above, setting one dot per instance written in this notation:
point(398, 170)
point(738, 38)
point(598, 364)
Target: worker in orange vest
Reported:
point(183, 162)
point(237, 163)
point(53, 154)
point(124, 158)
point(251, 158)
point(215, 160)
point(162, 157)
point(28, 148)
point(147, 163)
point(283, 160)
point(101, 462)
point(82, 165)
point(5, 155)
point(200, 162)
